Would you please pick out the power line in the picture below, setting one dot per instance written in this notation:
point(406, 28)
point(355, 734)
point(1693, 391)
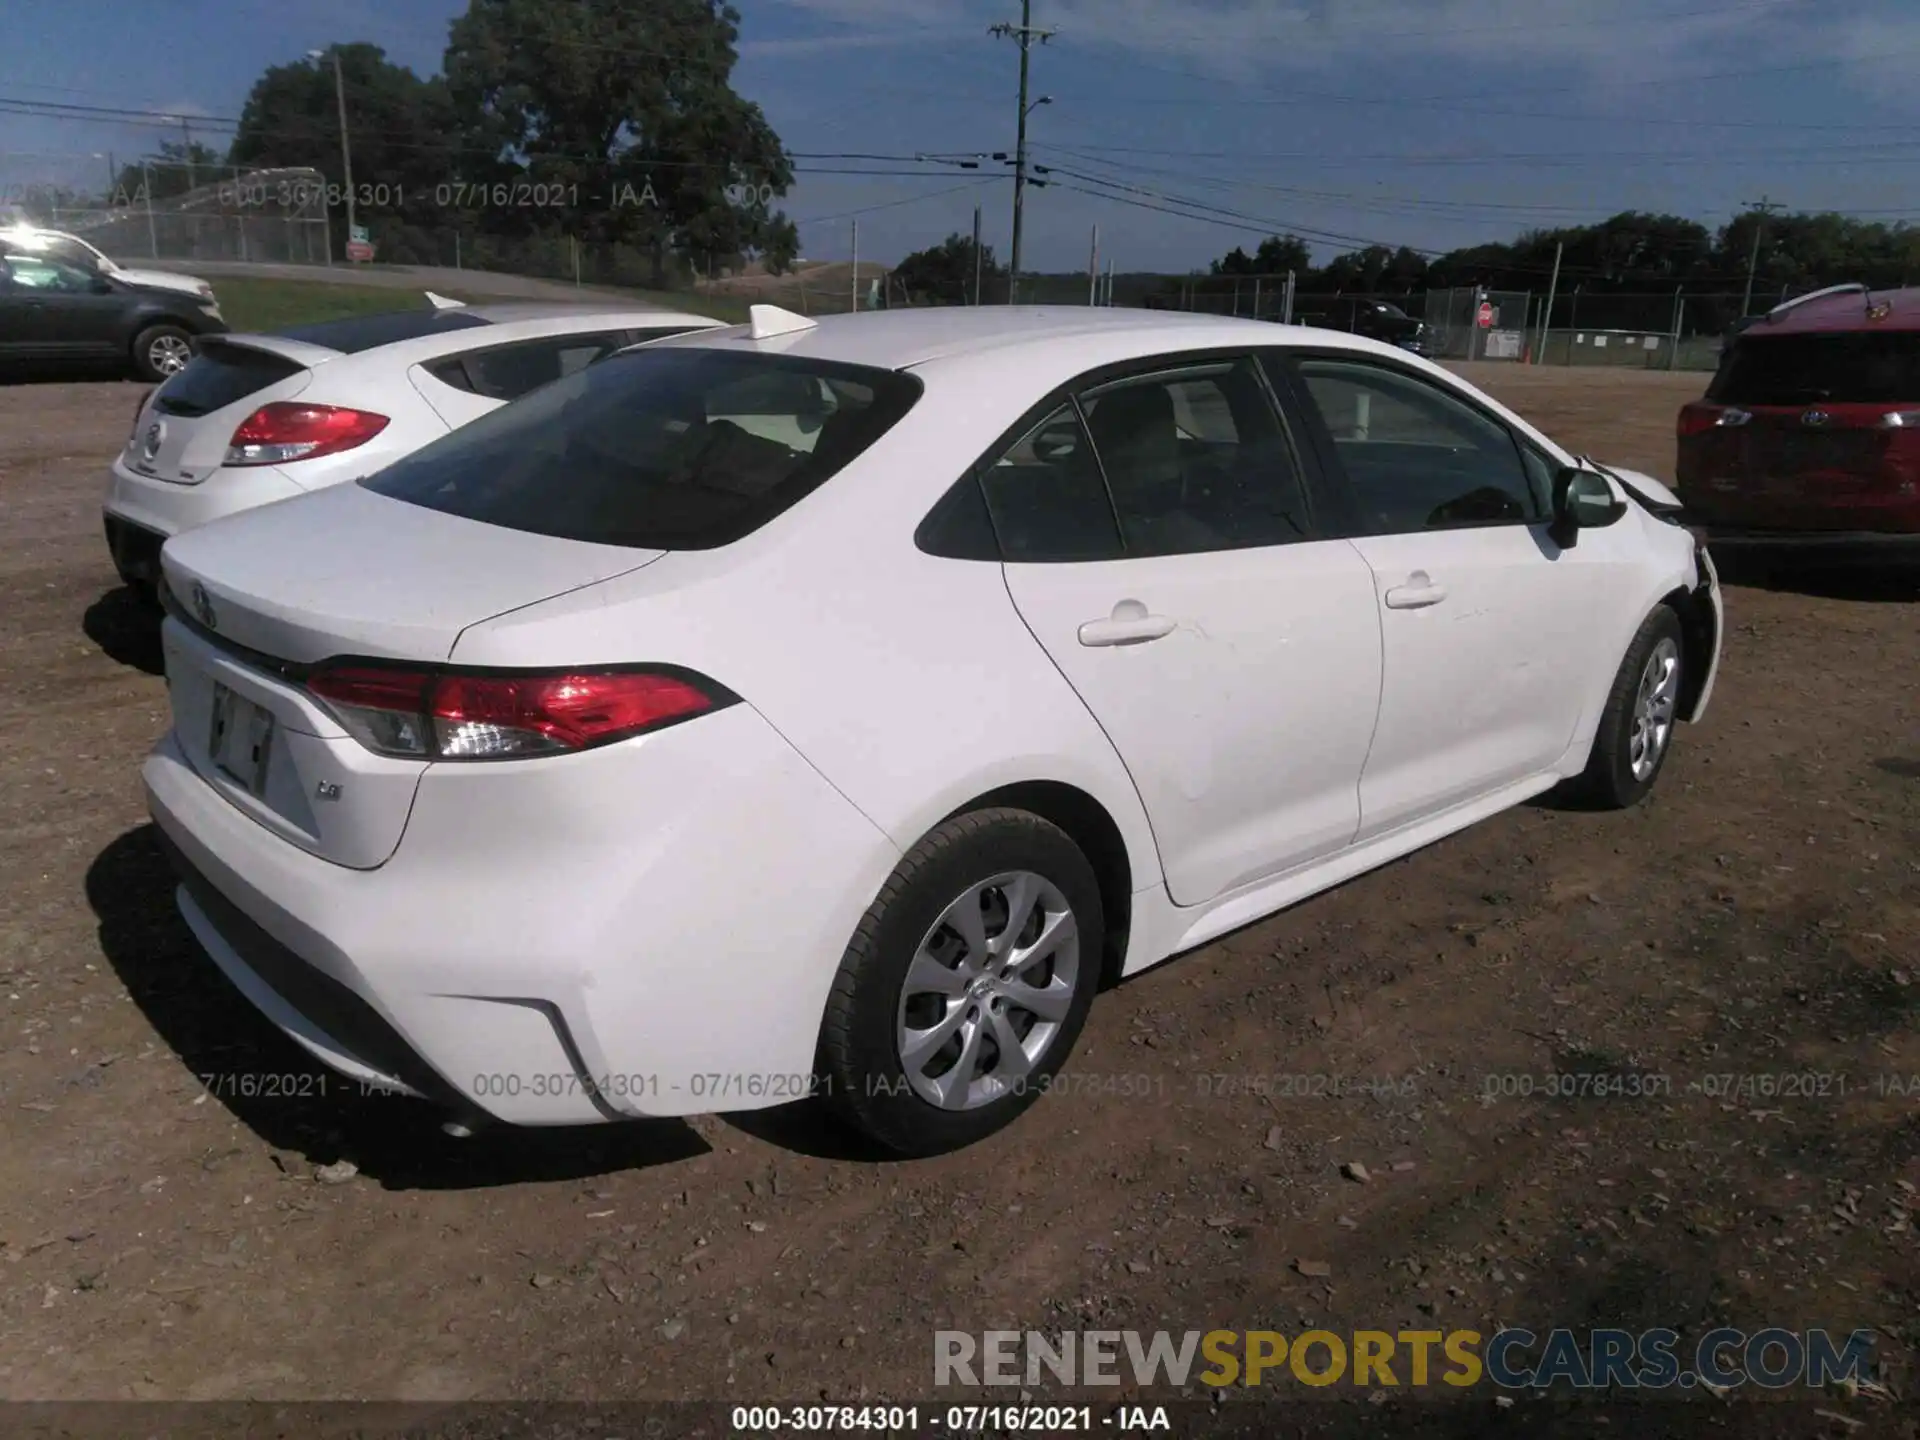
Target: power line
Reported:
point(894, 204)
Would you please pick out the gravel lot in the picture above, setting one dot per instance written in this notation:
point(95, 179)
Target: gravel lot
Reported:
point(1759, 916)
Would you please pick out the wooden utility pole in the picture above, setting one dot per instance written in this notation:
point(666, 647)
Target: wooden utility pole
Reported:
point(1026, 35)
point(976, 254)
point(1763, 207)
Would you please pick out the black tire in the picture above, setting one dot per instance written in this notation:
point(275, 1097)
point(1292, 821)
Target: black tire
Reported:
point(145, 364)
point(1609, 781)
point(864, 1078)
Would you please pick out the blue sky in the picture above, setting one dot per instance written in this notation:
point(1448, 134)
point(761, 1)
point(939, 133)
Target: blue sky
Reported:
point(1434, 123)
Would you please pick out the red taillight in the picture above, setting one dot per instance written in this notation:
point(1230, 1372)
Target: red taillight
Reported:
point(451, 716)
point(286, 430)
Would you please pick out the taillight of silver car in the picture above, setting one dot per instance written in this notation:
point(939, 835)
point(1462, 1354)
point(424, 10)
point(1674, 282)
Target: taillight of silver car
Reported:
point(503, 715)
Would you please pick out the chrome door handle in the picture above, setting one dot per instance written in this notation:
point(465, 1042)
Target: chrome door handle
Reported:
point(1418, 593)
point(1130, 624)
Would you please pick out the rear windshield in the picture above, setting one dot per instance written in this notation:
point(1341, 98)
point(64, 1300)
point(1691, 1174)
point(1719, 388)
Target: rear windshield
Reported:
point(218, 376)
point(1849, 367)
point(668, 449)
point(362, 332)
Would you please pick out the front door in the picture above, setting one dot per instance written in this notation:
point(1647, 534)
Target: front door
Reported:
point(1161, 548)
point(71, 314)
point(1485, 619)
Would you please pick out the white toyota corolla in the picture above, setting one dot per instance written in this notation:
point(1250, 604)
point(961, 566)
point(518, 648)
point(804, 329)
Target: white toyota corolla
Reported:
point(832, 705)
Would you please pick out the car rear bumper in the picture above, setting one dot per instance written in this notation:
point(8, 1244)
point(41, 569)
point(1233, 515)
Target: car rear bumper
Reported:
point(135, 550)
point(164, 508)
point(646, 929)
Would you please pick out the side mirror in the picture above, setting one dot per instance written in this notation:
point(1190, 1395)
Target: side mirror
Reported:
point(101, 285)
point(1582, 500)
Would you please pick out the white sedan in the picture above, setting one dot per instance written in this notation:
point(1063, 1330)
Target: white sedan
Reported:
point(831, 706)
point(253, 419)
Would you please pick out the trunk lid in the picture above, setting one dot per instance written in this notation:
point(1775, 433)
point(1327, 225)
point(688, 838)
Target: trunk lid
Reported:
point(343, 571)
point(183, 429)
point(261, 597)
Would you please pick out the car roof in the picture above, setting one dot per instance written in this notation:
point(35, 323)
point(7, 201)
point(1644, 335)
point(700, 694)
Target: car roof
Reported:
point(412, 335)
point(907, 338)
point(1846, 310)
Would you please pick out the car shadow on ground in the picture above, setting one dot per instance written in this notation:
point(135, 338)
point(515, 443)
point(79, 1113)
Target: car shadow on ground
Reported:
point(286, 1097)
point(53, 373)
point(806, 1127)
point(126, 626)
point(1871, 583)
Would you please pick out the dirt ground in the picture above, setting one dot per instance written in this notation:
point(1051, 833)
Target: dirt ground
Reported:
point(1758, 916)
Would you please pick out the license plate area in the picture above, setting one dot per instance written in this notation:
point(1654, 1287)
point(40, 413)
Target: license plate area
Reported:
point(241, 740)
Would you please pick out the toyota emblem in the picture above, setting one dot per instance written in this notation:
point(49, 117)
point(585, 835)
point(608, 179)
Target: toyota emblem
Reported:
point(203, 606)
point(1815, 418)
point(152, 447)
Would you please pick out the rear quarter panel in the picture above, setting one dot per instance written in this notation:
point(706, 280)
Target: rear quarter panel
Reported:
point(910, 681)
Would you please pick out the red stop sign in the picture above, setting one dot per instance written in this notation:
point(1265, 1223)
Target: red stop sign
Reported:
point(1486, 316)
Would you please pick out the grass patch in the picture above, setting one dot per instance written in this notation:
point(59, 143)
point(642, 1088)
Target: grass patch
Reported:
point(257, 305)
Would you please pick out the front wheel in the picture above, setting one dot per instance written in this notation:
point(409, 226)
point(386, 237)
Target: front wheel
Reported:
point(1636, 727)
point(160, 352)
point(965, 985)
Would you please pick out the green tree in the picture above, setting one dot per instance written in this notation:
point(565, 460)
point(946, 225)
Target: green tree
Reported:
point(943, 274)
point(625, 110)
point(402, 130)
point(168, 173)
point(1275, 255)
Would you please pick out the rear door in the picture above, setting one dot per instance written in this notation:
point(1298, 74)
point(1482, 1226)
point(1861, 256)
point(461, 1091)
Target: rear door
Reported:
point(184, 429)
point(1816, 451)
point(1161, 545)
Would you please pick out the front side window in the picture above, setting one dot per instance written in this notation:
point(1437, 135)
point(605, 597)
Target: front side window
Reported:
point(1415, 456)
point(36, 272)
point(1197, 461)
point(681, 449)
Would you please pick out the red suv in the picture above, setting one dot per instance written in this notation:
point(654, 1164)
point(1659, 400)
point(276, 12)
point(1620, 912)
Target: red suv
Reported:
point(1809, 436)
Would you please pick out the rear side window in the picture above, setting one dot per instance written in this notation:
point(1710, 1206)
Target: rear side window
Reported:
point(363, 332)
point(657, 449)
point(1047, 497)
point(506, 372)
point(218, 376)
point(1856, 367)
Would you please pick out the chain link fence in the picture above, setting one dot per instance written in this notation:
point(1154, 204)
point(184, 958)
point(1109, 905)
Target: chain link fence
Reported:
point(178, 212)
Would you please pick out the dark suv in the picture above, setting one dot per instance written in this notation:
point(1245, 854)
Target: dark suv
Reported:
point(1809, 436)
point(1376, 319)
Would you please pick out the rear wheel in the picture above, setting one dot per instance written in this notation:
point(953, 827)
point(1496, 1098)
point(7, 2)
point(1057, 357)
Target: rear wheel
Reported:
point(965, 985)
point(1636, 728)
point(161, 351)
